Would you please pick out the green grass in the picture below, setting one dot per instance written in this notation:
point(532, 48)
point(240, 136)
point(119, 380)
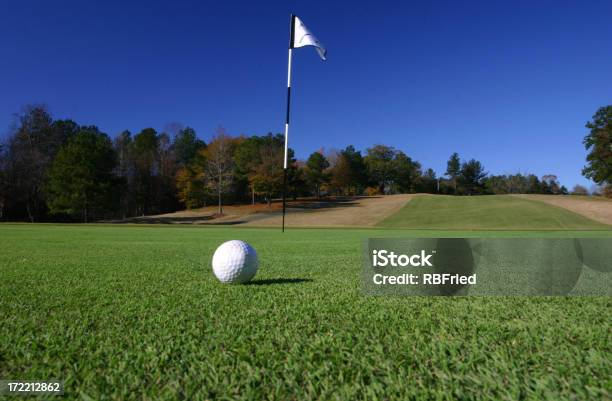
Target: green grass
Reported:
point(499, 212)
point(133, 313)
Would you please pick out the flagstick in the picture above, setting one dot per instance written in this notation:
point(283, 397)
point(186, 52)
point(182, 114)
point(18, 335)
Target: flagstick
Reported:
point(284, 197)
point(291, 30)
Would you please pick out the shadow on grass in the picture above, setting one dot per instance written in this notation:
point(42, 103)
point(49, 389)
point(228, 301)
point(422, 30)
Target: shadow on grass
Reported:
point(164, 220)
point(326, 203)
point(195, 220)
point(270, 281)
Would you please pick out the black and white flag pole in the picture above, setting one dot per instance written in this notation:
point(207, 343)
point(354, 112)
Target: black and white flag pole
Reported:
point(291, 34)
point(299, 36)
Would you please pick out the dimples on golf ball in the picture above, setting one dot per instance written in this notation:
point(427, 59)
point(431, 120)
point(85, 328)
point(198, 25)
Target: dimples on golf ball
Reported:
point(235, 262)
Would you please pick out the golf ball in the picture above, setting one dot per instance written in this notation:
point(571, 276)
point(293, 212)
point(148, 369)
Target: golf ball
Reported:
point(235, 262)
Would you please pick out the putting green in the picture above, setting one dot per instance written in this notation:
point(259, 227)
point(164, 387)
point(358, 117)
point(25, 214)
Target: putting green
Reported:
point(132, 313)
point(490, 212)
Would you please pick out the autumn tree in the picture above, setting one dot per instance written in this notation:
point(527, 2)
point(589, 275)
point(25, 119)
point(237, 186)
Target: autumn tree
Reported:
point(259, 161)
point(579, 190)
point(550, 184)
point(125, 172)
point(186, 146)
point(598, 143)
point(81, 178)
point(165, 197)
point(4, 183)
point(246, 157)
point(348, 174)
point(191, 182)
point(406, 172)
point(534, 185)
point(391, 170)
point(341, 175)
point(315, 172)
point(471, 176)
point(32, 147)
point(146, 167)
point(427, 182)
point(220, 165)
point(453, 168)
point(380, 167)
point(358, 169)
point(268, 173)
point(296, 180)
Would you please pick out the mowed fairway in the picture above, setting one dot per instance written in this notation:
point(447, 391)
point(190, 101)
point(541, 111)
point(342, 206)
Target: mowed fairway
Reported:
point(489, 212)
point(123, 312)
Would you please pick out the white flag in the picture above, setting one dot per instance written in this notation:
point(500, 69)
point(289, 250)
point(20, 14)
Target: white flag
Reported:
point(303, 37)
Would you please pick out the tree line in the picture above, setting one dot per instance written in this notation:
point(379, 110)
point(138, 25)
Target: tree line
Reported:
point(60, 170)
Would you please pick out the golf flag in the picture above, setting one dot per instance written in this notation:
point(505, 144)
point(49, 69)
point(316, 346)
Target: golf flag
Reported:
point(303, 37)
point(299, 36)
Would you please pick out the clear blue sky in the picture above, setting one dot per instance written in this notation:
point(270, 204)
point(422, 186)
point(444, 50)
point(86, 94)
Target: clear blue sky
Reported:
point(509, 83)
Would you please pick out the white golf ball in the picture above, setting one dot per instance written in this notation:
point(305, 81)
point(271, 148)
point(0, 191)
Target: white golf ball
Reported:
point(235, 262)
